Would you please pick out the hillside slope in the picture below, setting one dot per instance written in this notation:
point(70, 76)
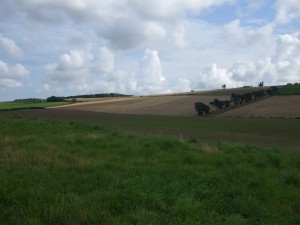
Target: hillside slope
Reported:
point(275, 106)
point(154, 105)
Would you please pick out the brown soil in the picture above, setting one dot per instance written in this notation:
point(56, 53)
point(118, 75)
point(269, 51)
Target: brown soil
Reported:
point(153, 105)
point(275, 106)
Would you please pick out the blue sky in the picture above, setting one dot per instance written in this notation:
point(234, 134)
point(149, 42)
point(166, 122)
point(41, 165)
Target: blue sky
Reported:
point(53, 47)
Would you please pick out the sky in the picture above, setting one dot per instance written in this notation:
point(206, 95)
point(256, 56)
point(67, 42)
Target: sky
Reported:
point(142, 47)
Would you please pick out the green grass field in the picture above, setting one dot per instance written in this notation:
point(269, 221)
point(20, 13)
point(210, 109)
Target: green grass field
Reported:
point(293, 89)
point(65, 172)
point(276, 133)
point(17, 105)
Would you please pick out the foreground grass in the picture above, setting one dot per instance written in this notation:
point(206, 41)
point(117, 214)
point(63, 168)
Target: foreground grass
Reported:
point(55, 172)
point(17, 105)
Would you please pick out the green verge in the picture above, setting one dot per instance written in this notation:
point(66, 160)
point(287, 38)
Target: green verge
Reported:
point(17, 105)
point(57, 172)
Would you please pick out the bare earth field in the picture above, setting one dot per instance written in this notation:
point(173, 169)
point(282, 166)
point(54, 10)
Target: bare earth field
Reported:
point(152, 105)
point(275, 106)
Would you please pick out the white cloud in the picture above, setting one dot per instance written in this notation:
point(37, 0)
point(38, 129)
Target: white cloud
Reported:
point(9, 83)
point(283, 68)
point(71, 69)
point(11, 76)
point(246, 36)
point(179, 36)
point(151, 72)
point(17, 71)
point(287, 10)
point(9, 47)
point(124, 24)
point(154, 31)
point(171, 9)
point(183, 85)
point(106, 61)
point(251, 73)
point(288, 45)
point(213, 77)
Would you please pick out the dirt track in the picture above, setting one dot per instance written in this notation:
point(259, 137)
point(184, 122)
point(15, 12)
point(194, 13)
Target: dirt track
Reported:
point(276, 106)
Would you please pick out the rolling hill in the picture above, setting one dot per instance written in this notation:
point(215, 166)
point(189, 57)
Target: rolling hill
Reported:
point(182, 104)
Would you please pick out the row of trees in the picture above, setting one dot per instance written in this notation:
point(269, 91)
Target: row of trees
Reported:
point(55, 99)
point(236, 99)
point(29, 100)
point(104, 95)
point(62, 99)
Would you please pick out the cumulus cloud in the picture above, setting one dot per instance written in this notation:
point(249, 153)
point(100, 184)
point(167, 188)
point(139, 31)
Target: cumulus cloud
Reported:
point(171, 9)
point(253, 72)
point(72, 69)
point(287, 10)
point(10, 48)
point(11, 76)
point(17, 71)
point(124, 24)
point(247, 36)
point(183, 85)
point(288, 45)
point(214, 77)
point(283, 67)
point(151, 72)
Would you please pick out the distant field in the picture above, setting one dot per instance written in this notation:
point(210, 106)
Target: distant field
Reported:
point(290, 89)
point(151, 105)
point(74, 171)
point(227, 92)
point(16, 105)
point(183, 105)
point(275, 106)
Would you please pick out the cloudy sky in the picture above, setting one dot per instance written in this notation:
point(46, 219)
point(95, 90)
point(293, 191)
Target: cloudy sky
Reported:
point(68, 47)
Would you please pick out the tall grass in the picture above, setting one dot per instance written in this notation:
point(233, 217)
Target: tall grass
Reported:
point(55, 172)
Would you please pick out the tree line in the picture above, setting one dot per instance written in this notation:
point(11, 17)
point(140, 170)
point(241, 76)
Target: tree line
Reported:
point(29, 100)
point(105, 95)
point(235, 100)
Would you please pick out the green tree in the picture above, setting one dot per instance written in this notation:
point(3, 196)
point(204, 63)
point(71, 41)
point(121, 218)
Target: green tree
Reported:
point(55, 99)
point(201, 108)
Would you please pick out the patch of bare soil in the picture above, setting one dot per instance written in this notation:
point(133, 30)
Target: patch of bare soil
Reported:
point(275, 106)
point(153, 105)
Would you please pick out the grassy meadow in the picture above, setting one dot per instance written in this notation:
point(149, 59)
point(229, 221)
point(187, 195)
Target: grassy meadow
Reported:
point(65, 172)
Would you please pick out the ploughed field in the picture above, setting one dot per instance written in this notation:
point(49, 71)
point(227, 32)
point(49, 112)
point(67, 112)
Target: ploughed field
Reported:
point(152, 105)
point(275, 106)
point(183, 105)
